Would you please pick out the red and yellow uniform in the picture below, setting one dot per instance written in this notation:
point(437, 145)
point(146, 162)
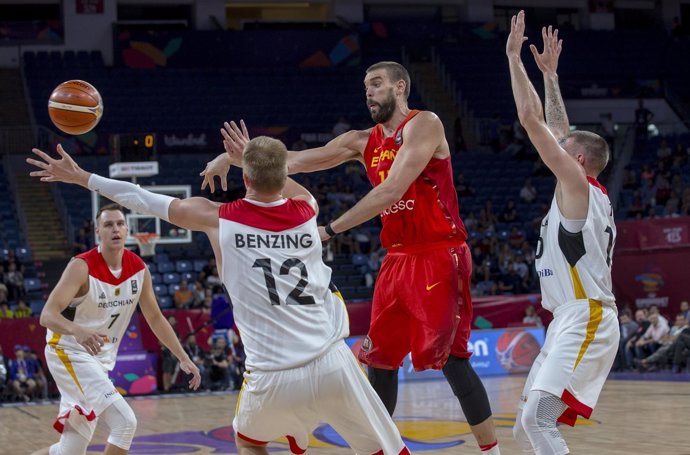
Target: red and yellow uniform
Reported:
point(422, 301)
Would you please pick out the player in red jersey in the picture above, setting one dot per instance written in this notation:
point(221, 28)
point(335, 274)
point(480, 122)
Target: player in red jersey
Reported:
point(422, 301)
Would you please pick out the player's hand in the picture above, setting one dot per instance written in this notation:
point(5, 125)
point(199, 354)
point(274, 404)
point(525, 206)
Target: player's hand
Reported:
point(234, 139)
point(218, 167)
point(323, 234)
point(188, 367)
point(91, 340)
point(517, 35)
point(61, 170)
point(547, 61)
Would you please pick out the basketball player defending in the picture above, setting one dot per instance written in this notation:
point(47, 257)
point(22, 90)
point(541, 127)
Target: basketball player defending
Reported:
point(573, 260)
point(87, 315)
point(422, 302)
point(299, 369)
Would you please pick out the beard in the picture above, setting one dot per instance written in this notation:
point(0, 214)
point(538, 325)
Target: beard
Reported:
point(386, 109)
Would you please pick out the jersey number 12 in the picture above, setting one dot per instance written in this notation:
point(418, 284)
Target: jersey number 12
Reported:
point(296, 296)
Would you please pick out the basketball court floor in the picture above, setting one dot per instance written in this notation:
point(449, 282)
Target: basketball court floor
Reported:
point(633, 417)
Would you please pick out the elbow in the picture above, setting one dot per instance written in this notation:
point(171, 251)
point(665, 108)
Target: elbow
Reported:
point(43, 319)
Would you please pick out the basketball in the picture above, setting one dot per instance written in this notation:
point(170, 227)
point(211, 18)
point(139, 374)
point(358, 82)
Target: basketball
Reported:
point(75, 107)
point(516, 351)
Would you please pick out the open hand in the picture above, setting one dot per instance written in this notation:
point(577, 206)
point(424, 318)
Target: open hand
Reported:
point(547, 61)
point(190, 368)
point(58, 170)
point(517, 35)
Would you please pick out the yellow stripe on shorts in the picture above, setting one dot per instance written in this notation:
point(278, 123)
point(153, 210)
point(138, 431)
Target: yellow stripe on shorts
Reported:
point(595, 316)
point(239, 397)
point(62, 355)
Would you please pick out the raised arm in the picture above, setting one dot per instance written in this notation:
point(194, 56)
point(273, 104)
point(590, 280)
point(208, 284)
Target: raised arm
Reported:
point(197, 214)
point(547, 61)
point(346, 147)
point(423, 136)
point(570, 174)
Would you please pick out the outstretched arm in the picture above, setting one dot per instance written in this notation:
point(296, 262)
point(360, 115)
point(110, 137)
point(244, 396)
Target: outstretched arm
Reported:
point(568, 171)
point(346, 147)
point(197, 214)
point(422, 138)
point(547, 61)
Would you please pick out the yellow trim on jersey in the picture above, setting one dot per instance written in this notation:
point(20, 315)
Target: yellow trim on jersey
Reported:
point(347, 315)
point(62, 355)
point(239, 397)
point(55, 339)
point(595, 315)
point(577, 284)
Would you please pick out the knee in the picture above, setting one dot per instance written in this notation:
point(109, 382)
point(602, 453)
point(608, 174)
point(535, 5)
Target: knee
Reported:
point(123, 424)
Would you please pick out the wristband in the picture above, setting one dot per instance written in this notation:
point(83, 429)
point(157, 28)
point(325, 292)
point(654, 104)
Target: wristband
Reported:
point(329, 230)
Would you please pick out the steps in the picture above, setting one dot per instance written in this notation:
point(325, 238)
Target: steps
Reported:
point(13, 108)
point(44, 228)
point(434, 95)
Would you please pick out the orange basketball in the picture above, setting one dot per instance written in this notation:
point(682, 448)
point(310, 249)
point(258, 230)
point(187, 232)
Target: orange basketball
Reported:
point(75, 107)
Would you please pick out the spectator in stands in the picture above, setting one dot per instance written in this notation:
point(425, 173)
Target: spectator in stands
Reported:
point(463, 188)
point(198, 291)
point(184, 298)
point(664, 355)
point(4, 371)
point(664, 152)
point(83, 242)
point(14, 280)
point(213, 279)
point(642, 325)
point(629, 178)
point(22, 374)
point(647, 173)
point(648, 193)
point(531, 317)
point(509, 213)
point(341, 126)
point(654, 309)
point(651, 340)
point(236, 368)
point(3, 293)
point(195, 353)
point(642, 118)
point(636, 208)
point(685, 310)
point(628, 329)
point(22, 311)
point(39, 373)
point(5, 312)
point(528, 192)
point(168, 366)
point(680, 155)
point(672, 207)
point(217, 364)
point(12, 259)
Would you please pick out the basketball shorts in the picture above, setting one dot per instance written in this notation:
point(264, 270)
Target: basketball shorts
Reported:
point(332, 388)
point(580, 347)
point(422, 304)
point(85, 389)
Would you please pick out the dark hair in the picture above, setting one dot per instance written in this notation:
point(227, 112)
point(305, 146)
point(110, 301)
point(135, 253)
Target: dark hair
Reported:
point(396, 72)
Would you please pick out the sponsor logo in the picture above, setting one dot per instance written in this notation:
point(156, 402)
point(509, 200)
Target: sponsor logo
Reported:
point(367, 344)
point(115, 303)
point(545, 272)
point(399, 206)
point(117, 292)
point(102, 296)
point(189, 141)
point(430, 287)
point(111, 393)
point(398, 138)
point(673, 234)
point(651, 282)
point(135, 286)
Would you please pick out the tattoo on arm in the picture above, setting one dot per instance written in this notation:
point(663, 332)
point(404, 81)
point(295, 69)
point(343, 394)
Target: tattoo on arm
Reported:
point(556, 116)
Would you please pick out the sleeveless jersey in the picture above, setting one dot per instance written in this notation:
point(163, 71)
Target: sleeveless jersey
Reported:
point(428, 212)
point(284, 308)
point(577, 266)
point(107, 306)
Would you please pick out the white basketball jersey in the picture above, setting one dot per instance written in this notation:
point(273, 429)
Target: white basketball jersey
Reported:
point(283, 304)
point(107, 306)
point(577, 266)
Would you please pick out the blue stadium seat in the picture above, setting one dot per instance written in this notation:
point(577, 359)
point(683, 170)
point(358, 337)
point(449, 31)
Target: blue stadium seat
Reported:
point(166, 267)
point(23, 254)
point(160, 290)
point(156, 278)
point(172, 288)
point(36, 306)
point(165, 302)
point(153, 267)
point(189, 277)
point(183, 266)
point(32, 284)
point(160, 257)
point(171, 278)
point(199, 264)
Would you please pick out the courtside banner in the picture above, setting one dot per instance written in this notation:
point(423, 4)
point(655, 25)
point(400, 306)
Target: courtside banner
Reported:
point(495, 352)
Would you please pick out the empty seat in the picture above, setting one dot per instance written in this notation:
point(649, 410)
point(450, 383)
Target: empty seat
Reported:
point(199, 264)
point(183, 266)
point(171, 278)
point(160, 290)
point(166, 267)
point(23, 254)
point(32, 284)
point(165, 301)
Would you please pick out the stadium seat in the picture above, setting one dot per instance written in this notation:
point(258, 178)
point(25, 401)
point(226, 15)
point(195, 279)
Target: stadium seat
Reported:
point(199, 264)
point(166, 267)
point(359, 259)
point(156, 278)
point(183, 266)
point(153, 267)
point(160, 290)
point(189, 277)
point(171, 278)
point(32, 284)
point(172, 288)
point(23, 254)
point(160, 257)
point(165, 302)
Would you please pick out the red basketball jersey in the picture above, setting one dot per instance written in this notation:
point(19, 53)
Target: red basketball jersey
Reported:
point(428, 212)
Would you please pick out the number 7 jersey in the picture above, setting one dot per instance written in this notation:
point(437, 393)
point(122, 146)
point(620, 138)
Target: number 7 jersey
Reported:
point(577, 266)
point(284, 305)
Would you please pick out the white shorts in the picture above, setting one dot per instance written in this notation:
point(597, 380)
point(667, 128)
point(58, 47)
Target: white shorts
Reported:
point(581, 345)
point(84, 387)
point(332, 388)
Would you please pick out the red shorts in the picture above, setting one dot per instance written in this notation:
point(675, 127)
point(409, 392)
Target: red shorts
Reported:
point(422, 304)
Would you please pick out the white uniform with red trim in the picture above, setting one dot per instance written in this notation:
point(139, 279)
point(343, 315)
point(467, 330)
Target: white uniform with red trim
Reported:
point(575, 277)
point(107, 307)
point(292, 323)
